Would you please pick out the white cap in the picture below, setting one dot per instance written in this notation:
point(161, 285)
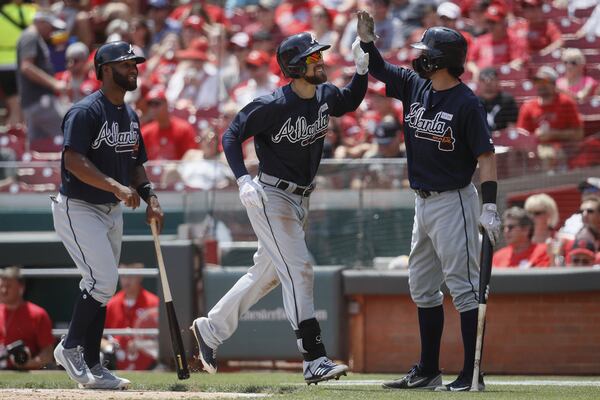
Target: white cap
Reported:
point(50, 18)
point(449, 10)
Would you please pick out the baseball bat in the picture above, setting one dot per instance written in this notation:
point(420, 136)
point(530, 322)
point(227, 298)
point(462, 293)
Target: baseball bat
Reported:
point(181, 364)
point(485, 273)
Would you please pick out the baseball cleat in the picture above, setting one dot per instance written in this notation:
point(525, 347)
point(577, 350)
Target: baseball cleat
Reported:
point(104, 379)
point(73, 363)
point(207, 355)
point(416, 379)
point(461, 384)
point(322, 369)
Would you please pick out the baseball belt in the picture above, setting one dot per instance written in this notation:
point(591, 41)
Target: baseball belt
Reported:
point(286, 186)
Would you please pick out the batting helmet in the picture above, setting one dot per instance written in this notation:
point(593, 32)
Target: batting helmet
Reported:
point(441, 48)
point(114, 52)
point(292, 53)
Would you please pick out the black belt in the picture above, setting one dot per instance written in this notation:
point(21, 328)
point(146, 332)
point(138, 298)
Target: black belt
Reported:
point(425, 193)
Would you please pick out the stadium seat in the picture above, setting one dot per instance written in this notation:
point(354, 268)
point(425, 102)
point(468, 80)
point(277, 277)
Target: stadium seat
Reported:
point(591, 42)
point(588, 153)
point(568, 25)
point(51, 144)
point(554, 13)
point(590, 113)
point(515, 138)
point(16, 143)
point(506, 73)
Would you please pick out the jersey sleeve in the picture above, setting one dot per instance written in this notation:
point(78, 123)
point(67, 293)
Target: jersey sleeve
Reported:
point(398, 81)
point(349, 97)
point(476, 130)
point(44, 335)
point(78, 129)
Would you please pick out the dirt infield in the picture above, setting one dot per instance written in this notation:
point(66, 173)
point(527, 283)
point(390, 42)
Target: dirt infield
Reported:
point(74, 394)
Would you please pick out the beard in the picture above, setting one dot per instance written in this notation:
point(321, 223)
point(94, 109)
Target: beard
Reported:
point(418, 67)
point(317, 78)
point(123, 81)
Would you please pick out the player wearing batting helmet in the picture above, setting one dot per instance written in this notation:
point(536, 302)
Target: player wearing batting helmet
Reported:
point(289, 127)
point(102, 165)
point(446, 137)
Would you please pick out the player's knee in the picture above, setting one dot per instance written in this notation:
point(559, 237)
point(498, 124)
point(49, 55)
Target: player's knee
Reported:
point(309, 340)
point(465, 301)
point(427, 300)
point(106, 289)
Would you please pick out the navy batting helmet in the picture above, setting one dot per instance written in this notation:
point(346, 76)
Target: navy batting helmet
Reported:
point(114, 52)
point(442, 48)
point(292, 53)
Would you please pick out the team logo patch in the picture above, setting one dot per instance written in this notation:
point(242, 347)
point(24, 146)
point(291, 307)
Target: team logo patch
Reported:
point(435, 130)
point(123, 142)
point(302, 132)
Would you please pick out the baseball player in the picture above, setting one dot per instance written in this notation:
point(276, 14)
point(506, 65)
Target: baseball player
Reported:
point(289, 127)
point(102, 166)
point(446, 137)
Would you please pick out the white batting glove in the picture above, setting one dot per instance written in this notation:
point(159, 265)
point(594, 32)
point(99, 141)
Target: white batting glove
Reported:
point(490, 221)
point(251, 193)
point(361, 59)
point(365, 27)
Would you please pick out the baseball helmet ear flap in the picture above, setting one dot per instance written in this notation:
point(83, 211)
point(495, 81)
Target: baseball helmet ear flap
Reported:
point(294, 71)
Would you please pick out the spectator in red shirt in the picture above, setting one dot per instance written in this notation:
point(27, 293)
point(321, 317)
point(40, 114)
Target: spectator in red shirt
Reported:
point(22, 320)
point(497, 46)
point(261, 81)
point(540, 33)
point(133, 307)
point(553, 118)
point(575, 83)
point(167, 137)
point(520, 251)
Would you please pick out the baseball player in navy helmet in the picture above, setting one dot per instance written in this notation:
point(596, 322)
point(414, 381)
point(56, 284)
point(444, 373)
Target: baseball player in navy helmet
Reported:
point(102, 166)
point(446, 138)
point(289, 127)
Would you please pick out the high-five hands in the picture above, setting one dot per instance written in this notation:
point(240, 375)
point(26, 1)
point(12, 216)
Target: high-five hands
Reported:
point(365, 27)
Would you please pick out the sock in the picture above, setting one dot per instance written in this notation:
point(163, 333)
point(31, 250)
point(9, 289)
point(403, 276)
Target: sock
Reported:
point(431, 326)
point(468, 326)
point(84, 314)
point(93, 337)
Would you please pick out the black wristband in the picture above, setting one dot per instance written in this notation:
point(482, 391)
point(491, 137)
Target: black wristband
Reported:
point(145, 191)
point(489, 190)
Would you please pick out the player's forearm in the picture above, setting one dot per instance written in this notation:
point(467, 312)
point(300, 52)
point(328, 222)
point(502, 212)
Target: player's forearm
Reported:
point(354, 93)
point(232, 147)
point(80, 166)
point(487, 167)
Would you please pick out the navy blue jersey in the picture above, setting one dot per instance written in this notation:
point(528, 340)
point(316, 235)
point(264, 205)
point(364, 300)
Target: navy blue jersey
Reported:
point(445, 131)
point(289, 131)
point(109, 136)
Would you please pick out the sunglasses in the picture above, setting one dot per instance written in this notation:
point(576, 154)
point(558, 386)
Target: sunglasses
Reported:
point(155, 103)
point(588, 210)
point(580, 260)
point(537, 213)
point(510, 227)
point(314, 58)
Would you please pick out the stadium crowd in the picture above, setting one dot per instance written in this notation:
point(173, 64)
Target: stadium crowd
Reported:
point(534, 64)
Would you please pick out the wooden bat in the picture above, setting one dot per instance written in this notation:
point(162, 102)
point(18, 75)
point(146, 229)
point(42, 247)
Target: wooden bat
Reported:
point(181, 364)
point(485, 273)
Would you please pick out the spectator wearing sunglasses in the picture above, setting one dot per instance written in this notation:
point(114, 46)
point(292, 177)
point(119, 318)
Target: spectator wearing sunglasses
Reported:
point(575, 82)
point(520, 251)
point(543, 210)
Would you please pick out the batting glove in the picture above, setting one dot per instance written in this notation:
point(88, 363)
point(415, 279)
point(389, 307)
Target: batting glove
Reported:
point(490, 221)
point(251, 193)
point(365, 27)
point(361, 59)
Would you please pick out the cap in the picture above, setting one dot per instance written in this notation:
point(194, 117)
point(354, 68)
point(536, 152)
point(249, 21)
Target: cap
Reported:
point(240, 39)
point(156, 93)
point(77, 50)
point(12, 272)
point(386, 131)
point(196, 51)
point(194, 21)
point(159, 3)
point(377, 88)
point(495, 12)
point(583, 246)
point(258, 58)
point(590, 185)
point(50, 18)
point(449, 10)
point(547, 73)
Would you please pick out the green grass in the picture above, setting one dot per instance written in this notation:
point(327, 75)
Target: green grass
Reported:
point(281, 385)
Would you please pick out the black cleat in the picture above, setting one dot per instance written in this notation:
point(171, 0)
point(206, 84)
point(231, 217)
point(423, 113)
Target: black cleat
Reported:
point(461, 384)
point(208, 355)
point(416, 379)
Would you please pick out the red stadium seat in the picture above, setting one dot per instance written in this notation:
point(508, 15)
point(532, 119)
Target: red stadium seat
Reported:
point(52, 144)
point(588, 153)
point(583, 13)
point(568, 25)
point(554, 13)
point(590, 113)
point(591, 42)
point(515, 138)
point(506, 73)
point(16, 143)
